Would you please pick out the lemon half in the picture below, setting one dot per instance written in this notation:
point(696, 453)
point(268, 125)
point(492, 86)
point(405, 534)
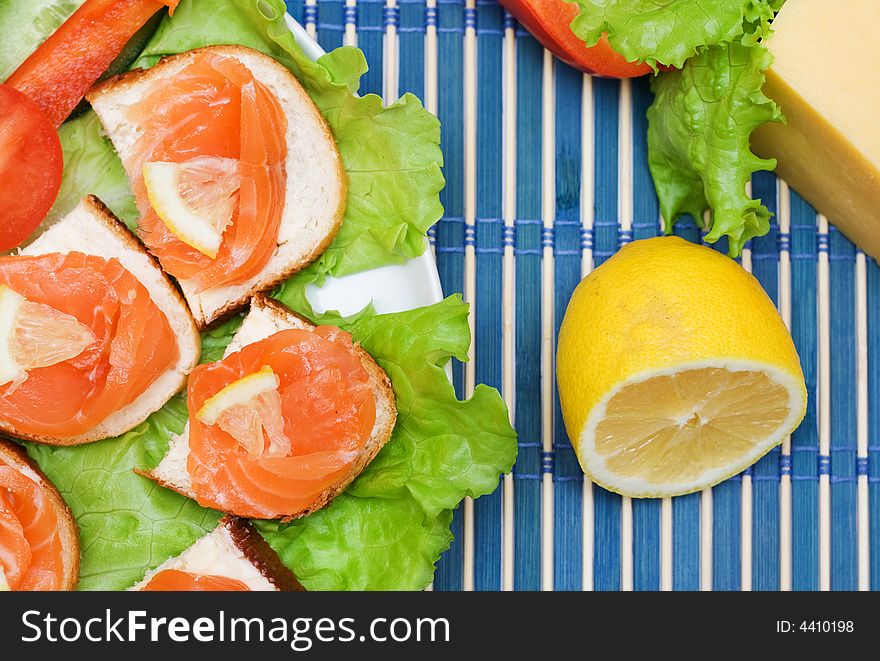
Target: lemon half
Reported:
point(675, 370)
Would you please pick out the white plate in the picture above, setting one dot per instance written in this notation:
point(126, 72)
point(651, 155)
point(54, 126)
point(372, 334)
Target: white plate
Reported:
point(413, 284)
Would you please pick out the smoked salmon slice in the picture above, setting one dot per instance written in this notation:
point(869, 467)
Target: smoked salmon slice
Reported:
point(214, 110)
point(31, 553)
point(133, 343)
point(327, 410)
point(175, 580)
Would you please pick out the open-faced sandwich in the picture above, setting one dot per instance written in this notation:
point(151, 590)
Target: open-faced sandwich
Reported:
point(238, 179)
point(231, 558)
point(39, 543)
point(94, 337)
point(289, 417)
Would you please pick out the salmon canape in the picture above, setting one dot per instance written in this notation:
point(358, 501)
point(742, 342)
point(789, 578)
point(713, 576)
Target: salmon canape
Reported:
point(237, 176)
point(39, 543)
point(283, 423)
point(93, 336)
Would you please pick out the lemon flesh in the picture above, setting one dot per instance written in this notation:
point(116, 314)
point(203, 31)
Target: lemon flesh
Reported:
point(674, 370)
point(240, 391)
point(249, 410)
point(674, 433)
point(10, 303)
point(35, 335)
point(198, 210)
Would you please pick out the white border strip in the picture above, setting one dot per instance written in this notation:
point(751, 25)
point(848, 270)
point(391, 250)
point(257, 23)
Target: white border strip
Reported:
point(863, 521)
point(706, 540)
point(706, 500)
point(666, 523)
point(508, 290)
point(390, 60)
point(783, 207)
point(548, 207)
point(625, 215)
point(311, 28)
point(745, 495)
point(824, 388)
point(431, 63)
point(470, 262)
point(588, 155)
point(430, 82)
point(666, 520)
point(351, 37)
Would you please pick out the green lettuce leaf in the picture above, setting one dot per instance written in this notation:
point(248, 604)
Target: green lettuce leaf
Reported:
point(91, 165)
point(127, 523)
point(698, 140)
point(30, 22)
point(363, 544)
point(216, 339)
point(396, 514)
point(443, 449)
point(668, 32)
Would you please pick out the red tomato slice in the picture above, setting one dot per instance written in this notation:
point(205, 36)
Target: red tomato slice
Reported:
point(549, 21)
point(30, 166)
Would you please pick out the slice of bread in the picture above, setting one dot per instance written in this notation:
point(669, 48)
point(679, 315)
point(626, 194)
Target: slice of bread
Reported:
point(234, 549)
point(14, 456)
point(92, 229)
point(267, 317)
point(315, 195)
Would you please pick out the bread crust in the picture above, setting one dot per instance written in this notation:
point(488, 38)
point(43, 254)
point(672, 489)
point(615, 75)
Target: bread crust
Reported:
point(382, 390)
point(102, 213)
point(260, 554)
point(15, 456)
point(126, 80)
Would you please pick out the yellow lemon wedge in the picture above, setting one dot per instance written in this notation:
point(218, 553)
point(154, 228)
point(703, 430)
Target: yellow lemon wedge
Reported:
point(249, 410)
point(195, 200)
point(36, 335)
point(239, 391)
point(674, 370)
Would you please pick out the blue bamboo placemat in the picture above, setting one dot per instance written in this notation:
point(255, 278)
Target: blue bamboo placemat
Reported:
point(546, 178)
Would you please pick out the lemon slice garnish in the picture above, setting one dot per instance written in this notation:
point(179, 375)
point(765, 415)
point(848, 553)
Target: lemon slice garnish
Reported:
point(240, 391)
point(195, 200)
point(249, 410)
point(36, 335)
point(10, 304)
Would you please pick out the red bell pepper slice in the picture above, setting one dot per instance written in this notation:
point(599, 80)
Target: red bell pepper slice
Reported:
point(59, 73)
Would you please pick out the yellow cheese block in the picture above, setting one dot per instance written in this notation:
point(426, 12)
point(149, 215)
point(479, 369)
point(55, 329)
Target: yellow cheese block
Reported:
point(827, 80)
